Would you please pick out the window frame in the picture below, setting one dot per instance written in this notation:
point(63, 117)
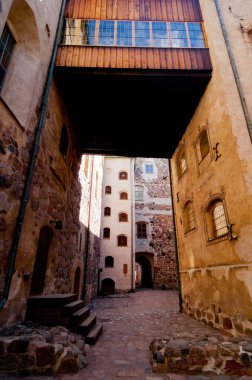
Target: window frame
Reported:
point(112, 261)
point(123, 175)
point(120, 196)
point(108, 190)
point(211, 235)
point(139, 192)
point(6, 52)
point(147, 167)
point(186, 217)
point(144, 234)
point(122, 236)
point(107, 211)
point(106, 231)
point(120, 217)
point(179, 167)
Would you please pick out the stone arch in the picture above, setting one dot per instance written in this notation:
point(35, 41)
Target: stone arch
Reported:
point(40, 264)
point(108, 286)
point(20, 81)
point(146, 262)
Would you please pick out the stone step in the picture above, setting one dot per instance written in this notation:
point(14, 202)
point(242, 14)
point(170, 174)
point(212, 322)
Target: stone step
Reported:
point(94, 334)
point(79, 316)
point(51, 300)
point(72, 307)
point(85, 327)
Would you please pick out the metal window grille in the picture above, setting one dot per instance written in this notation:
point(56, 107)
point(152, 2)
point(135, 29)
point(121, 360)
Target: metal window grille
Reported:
point(7, 43)
point(141, 230)
point(219, 220)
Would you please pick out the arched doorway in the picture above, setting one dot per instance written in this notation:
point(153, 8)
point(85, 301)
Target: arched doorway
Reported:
point(145, 265)
point(77, 277)
point(108, 286)
point(39, 270)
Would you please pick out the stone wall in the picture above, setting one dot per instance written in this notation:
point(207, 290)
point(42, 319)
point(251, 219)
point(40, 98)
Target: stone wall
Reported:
point(156, 211)
point(216, 272)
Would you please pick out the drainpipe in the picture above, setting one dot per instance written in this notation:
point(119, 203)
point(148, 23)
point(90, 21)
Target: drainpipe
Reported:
point(88, 234)
point(33, 158)
point(175, 240)
point(132, 221)
point(235, 70)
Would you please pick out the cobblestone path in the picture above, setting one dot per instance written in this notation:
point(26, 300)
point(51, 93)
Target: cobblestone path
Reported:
point(131, 322)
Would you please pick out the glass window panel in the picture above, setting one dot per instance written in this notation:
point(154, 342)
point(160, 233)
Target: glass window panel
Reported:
point(149, 169)
point(106, 33)
point(196, 35)
point(142, 33)
point(219, 219)
point(124, 33)
point(178, 34)
point(160, 34)
point(7, 43)
point(87, 35)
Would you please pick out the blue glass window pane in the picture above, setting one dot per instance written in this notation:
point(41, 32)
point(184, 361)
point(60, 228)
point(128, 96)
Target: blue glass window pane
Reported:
point(178, 34)
point(159, 34)
point(87, 32)
point(196, 35)
point(149, 169)
point(106, 33)
point(124, 33)
point(142, 33)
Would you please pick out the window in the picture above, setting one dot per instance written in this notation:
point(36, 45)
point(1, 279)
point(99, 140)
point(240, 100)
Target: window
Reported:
point(109, 262)
point(64, 142)
point(181, 164)
point(196, 35)
point(142, 230)
point(149, 169)
point(107, 189)
point(178, 34)
point(106, 233)
point(123, 175)
point(124, 33)
point(87, 35)
point(7, 44)
point(139, 193)
point(189, 217)
point(106, 33)
point(122, 240)
point(123, 195)
point(203, 145)
point(160, 34)
point(107, 211)
point(216, 220)
point(142, 33)
point(123, 217)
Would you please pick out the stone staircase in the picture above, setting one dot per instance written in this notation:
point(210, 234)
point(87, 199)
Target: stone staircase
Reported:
point(64, 310)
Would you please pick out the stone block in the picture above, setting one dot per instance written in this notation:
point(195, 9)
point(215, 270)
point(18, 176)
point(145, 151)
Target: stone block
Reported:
point(19, 345)
point(44, 354)
point(68, 364)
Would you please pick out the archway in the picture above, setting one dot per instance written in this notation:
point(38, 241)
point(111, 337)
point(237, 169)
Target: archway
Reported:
point(39, 270)
point(108, 286)
point(77, 277)
point(146, 270)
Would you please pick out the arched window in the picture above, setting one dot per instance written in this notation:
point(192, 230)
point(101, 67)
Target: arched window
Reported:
point(141, 230)
point(204, 145)
point(189, 217)
point(63, 147)
point(123, 195)
point(108, 190)
point(139, 193)
point(107, 211)
point(106, 233)
point(109, 262)
point(123, 217)
point(123, 175)
point(216, 220)
point(181, 164)
point(7, 43)
point(122, 240)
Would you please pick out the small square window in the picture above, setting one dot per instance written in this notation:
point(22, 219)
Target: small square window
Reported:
point(149, 169)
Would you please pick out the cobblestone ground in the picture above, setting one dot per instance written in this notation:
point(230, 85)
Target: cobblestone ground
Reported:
point(131, 322)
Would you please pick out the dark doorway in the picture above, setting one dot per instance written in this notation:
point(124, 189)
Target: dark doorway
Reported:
point(108, 286)
point(77, 277)
point(146, 272)
point(39, 270)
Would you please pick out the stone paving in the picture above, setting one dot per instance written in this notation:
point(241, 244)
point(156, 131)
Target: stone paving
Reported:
point(131, 322)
